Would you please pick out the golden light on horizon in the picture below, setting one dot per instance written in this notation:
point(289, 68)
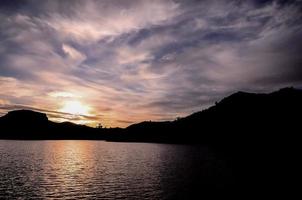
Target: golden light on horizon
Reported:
point(75, 107)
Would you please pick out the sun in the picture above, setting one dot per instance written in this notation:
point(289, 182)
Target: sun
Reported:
point(75, 108)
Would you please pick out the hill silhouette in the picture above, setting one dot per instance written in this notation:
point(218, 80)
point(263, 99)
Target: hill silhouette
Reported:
point(256, 134)
point(239, 116)
point(31, 125)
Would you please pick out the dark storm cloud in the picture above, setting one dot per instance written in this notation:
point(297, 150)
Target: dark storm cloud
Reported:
point(136, 60)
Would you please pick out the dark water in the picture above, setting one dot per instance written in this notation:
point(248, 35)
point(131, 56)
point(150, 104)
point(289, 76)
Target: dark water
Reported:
point(106, 170)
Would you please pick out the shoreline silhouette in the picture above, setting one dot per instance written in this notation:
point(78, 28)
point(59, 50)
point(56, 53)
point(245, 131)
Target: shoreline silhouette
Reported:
point(255, 134)
point(241, 111)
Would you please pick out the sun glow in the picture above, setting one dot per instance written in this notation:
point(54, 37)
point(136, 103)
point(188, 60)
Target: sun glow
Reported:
point(75, 108)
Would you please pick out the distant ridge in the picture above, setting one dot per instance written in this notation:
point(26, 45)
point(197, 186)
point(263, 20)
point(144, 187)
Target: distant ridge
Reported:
point(241, 111)
point(28, 124)
point(257, 135)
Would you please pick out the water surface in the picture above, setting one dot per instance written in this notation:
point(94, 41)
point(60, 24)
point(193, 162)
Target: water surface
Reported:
point(106, 170)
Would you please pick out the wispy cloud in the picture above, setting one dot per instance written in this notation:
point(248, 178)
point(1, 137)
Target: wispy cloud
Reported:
point(144, 60)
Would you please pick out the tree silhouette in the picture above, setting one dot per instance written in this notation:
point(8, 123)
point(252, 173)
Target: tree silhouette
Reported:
point(99, 125)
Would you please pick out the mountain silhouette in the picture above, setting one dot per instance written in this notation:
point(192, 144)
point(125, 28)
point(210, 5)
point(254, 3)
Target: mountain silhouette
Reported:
point(256, 134)
point(239, 116)
point(27, 124)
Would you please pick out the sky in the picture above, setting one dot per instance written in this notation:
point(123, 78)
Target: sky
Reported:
point(119, 62)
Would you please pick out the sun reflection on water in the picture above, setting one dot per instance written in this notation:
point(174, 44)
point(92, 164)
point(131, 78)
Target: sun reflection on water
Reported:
point(97, 169)
point(69, 167)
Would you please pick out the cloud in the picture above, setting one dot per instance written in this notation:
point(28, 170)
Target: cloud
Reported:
point(94, 20)
point(136, 60)
point(74, 56)
point(3, 102)
point(61, 94)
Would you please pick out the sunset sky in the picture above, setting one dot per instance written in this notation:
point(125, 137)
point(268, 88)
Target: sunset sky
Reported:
point(120, 62)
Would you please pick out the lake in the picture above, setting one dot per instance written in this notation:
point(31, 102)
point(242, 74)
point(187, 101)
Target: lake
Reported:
point(107, 170)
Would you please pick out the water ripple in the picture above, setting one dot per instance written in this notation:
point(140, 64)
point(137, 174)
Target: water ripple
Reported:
point(100, 170)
